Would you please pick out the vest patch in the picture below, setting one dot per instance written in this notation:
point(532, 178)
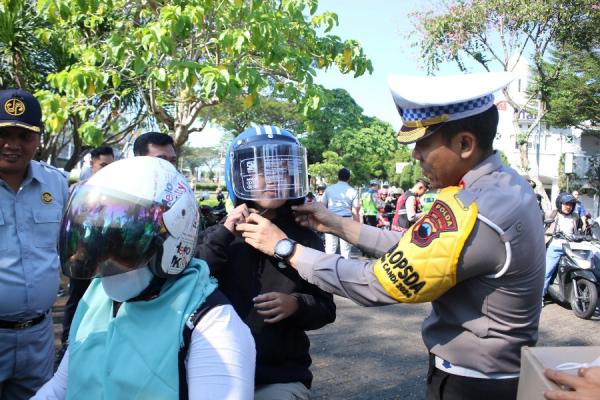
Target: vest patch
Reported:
point(439, 219)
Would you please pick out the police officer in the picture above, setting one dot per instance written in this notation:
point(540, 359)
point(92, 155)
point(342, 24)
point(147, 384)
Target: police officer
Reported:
point(32, 198)
point(477, 256)
point(370, 203)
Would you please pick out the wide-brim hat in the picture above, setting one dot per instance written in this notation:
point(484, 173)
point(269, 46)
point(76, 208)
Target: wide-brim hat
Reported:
point(19, 108)
point(427, 101)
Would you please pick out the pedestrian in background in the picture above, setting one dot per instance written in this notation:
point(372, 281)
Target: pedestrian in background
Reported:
point(341, 199)
point(156, 144)
point(321, 187)
point(33, 197)
point(370, 203)
point(408, 207)
point(580, 211)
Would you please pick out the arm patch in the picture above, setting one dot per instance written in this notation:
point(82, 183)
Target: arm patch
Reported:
point(422, 267)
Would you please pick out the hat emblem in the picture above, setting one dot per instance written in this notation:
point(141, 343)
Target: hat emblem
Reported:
point(14, 107)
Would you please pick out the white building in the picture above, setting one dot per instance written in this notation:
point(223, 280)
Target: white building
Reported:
point(546, 145)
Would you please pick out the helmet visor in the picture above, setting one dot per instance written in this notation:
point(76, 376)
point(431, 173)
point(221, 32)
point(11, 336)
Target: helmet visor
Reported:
point(105, 233)
point(269, 171)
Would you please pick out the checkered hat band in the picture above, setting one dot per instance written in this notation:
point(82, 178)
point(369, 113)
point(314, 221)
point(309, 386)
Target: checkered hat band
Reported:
point(420, 114)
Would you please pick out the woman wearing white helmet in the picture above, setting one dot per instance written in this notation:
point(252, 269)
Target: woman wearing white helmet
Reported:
point(151, 325)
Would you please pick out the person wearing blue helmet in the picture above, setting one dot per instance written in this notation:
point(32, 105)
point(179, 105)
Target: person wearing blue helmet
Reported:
point(266, 173)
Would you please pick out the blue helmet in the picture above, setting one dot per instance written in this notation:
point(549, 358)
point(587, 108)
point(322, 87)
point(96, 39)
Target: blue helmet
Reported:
point(266, 162)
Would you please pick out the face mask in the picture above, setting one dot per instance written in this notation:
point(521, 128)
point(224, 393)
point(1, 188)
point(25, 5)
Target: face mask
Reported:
point(123, 287)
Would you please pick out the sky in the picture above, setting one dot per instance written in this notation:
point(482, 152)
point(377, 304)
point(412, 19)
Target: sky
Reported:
point(381, 27)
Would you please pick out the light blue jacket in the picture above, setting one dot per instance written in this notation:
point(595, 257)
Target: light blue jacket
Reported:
point(133, 355)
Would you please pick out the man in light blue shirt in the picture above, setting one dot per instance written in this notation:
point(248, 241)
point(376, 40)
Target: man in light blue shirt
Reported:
point(32, 199)
point(342, 199)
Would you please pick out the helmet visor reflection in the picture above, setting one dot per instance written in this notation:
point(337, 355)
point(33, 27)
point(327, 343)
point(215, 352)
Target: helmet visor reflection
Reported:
point(105, 233)
point(270, 171)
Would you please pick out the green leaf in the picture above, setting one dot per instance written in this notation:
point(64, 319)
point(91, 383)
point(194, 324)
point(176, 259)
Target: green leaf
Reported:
point(116, 80)
point(90, 134)
point(139, 65)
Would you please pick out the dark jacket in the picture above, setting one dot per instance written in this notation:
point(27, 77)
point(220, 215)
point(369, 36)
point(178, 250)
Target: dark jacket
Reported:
point(282, 349)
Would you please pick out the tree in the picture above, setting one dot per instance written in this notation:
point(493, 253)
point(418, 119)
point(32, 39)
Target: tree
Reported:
point(366, 150)
point(402, 155)
point(573, 99)
point(338, 112)
point(180, 58)
point(193, 157)
point(232, 115)
point(501, 33)
point(24, 59)
point(328, 168)
point(409, 175)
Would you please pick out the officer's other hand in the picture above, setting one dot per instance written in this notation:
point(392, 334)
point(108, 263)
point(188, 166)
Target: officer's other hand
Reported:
point(260, 233)
point(314, 216)
point(275, 306)
point(237, 216)
point(584, 386)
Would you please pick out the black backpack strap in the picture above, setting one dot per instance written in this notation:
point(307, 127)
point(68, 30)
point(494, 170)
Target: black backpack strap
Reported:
point(216, 298)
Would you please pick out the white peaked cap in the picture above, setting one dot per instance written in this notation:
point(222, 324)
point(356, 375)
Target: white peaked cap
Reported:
point(426, 101)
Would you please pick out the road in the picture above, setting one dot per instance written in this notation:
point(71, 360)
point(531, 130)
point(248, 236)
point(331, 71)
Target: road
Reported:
point(377, 353)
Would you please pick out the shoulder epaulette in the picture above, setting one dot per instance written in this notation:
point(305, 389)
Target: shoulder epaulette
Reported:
point(51, 168)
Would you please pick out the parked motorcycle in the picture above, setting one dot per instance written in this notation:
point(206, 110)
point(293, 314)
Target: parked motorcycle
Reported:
point(577, 277)
point(210, 216)
point(384, 219)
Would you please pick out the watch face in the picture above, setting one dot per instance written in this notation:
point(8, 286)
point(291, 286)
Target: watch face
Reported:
point(284, 248)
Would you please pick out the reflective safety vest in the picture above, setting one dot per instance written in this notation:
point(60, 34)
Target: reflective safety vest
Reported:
point(422, 266)
point(368, 204)
point(400, 221)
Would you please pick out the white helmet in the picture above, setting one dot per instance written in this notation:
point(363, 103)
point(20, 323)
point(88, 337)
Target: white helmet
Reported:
point(133, 213)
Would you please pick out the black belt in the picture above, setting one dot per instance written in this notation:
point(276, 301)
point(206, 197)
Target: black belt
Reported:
point(22, 324)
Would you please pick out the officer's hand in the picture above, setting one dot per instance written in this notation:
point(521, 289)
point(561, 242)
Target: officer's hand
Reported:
point(585, 386)
point(236, 216)
point(315, 216)
point(275, 306)
point(260, 233)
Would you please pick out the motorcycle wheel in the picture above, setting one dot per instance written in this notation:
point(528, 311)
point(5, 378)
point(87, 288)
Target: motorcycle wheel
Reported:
point(584, 298)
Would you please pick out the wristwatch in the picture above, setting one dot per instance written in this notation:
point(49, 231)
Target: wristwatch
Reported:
point(284, 249)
